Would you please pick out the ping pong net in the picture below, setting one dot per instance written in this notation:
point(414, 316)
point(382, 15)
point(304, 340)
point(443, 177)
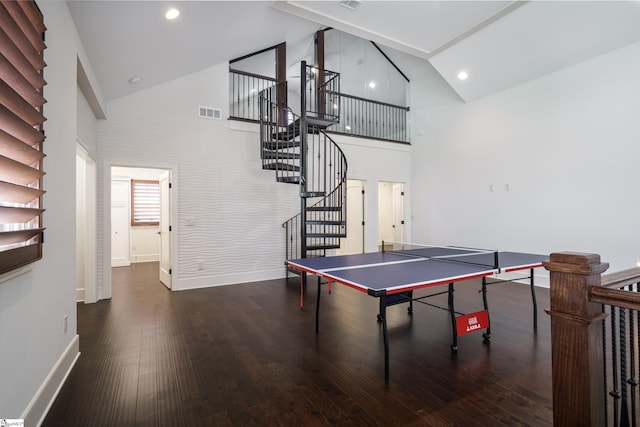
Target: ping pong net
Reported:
point(455, 254)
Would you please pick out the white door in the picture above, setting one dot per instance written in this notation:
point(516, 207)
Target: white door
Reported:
point(390, 212)
point(354, 242)
point(120, 222)
point(165, 228)
point(398, 212)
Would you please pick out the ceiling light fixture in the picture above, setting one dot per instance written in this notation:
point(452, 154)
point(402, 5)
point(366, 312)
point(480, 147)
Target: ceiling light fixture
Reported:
point(172, 13)
point(372, 84)
point(462, 75)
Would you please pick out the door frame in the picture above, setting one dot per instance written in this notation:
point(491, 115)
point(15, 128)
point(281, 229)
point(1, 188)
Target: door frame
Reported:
point(105, 291)
point(165, 223)
point(89, 254)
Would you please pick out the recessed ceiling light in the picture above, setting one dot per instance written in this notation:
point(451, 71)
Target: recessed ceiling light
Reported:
point(172, 14)
point(372, 84)
point(462, 75)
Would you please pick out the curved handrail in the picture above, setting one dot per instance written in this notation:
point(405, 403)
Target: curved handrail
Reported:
point(331, 208)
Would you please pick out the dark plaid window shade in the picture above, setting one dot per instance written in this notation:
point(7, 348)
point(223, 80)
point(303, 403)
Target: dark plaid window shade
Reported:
point(21, 133)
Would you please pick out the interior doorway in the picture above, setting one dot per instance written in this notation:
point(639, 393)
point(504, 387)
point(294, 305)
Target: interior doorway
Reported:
point(354, 243)
point(86, 213)
point(391, 202)
point(141, 209)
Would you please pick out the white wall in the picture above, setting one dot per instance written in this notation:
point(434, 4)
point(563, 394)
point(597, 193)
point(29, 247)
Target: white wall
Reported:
point(372, 162)
point(567, 146)
point(87, 125)
point(237, 209)
point(35, 353)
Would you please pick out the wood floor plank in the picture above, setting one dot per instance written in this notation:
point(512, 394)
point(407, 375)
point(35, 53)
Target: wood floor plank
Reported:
point(247, 355)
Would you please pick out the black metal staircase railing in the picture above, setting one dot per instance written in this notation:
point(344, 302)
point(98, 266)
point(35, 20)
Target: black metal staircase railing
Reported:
point(300, 152)
point(621, 352)
point(243, 94)
point(279, 136)
point(320, 92)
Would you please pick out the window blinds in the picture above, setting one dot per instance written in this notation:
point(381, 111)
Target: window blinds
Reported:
point(145, 202)
point(21, 133)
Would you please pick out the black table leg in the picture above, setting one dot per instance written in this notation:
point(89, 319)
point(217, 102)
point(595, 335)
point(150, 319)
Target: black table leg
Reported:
point(454, 346)
point(487, 334)
point(318, 304)
point(535, 303)
point(385, 335)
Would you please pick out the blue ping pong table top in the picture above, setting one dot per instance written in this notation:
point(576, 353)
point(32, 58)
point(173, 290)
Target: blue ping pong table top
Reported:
point(389, 272)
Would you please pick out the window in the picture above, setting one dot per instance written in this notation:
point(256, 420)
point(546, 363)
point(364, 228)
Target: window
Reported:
point(145, 202)
point(21, 133)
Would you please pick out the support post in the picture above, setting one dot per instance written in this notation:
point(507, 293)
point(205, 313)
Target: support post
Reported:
point(303, 161)
point(281, 82)
point(576, 339)
point(320, 94)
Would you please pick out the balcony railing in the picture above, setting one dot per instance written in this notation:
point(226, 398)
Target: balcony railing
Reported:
point(358, 116)
point(243, 94)
point(372, 119)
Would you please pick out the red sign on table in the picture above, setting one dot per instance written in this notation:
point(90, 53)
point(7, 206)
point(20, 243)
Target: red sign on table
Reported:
point(472, 322)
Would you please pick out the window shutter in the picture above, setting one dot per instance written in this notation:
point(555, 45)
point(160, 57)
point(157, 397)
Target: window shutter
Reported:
point(145, 202)
point(21, 133)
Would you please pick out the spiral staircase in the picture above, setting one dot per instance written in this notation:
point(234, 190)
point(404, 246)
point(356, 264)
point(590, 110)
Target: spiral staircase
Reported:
point(300, 152)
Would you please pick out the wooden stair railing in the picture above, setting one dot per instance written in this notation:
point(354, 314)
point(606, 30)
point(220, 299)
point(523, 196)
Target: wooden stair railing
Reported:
point(594, 382)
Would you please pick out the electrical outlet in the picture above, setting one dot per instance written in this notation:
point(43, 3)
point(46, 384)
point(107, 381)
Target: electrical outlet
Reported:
point(64, 324)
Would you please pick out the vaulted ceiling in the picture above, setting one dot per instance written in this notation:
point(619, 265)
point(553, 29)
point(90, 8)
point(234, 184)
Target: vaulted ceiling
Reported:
point(499, 44)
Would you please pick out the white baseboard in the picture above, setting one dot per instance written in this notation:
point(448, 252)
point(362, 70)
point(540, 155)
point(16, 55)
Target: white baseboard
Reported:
point(80, 295)
point(120, 263)
point(228, 279)
point(145, 258)
point(39, 406)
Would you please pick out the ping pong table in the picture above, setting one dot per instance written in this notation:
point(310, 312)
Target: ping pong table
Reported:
point(392, 276)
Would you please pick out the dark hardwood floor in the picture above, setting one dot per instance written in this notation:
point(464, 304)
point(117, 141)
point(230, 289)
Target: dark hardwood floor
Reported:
point(247, 355)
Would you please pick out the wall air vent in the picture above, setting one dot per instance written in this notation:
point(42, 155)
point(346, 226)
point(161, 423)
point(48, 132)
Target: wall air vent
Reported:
point(209, 113)
point(350, 4)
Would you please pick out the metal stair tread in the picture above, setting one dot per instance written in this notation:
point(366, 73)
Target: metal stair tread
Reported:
point(325, 222)
point(324, 209)
point(322, 247)
point(279, 145)
point(326, 235)
point(288, 179)
point(310, 194)
point(281, 167)
point(320, 123)
point(276, 154)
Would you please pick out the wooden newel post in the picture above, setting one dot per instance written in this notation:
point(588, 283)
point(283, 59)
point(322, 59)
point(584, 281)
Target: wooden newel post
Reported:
point(576, 339)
